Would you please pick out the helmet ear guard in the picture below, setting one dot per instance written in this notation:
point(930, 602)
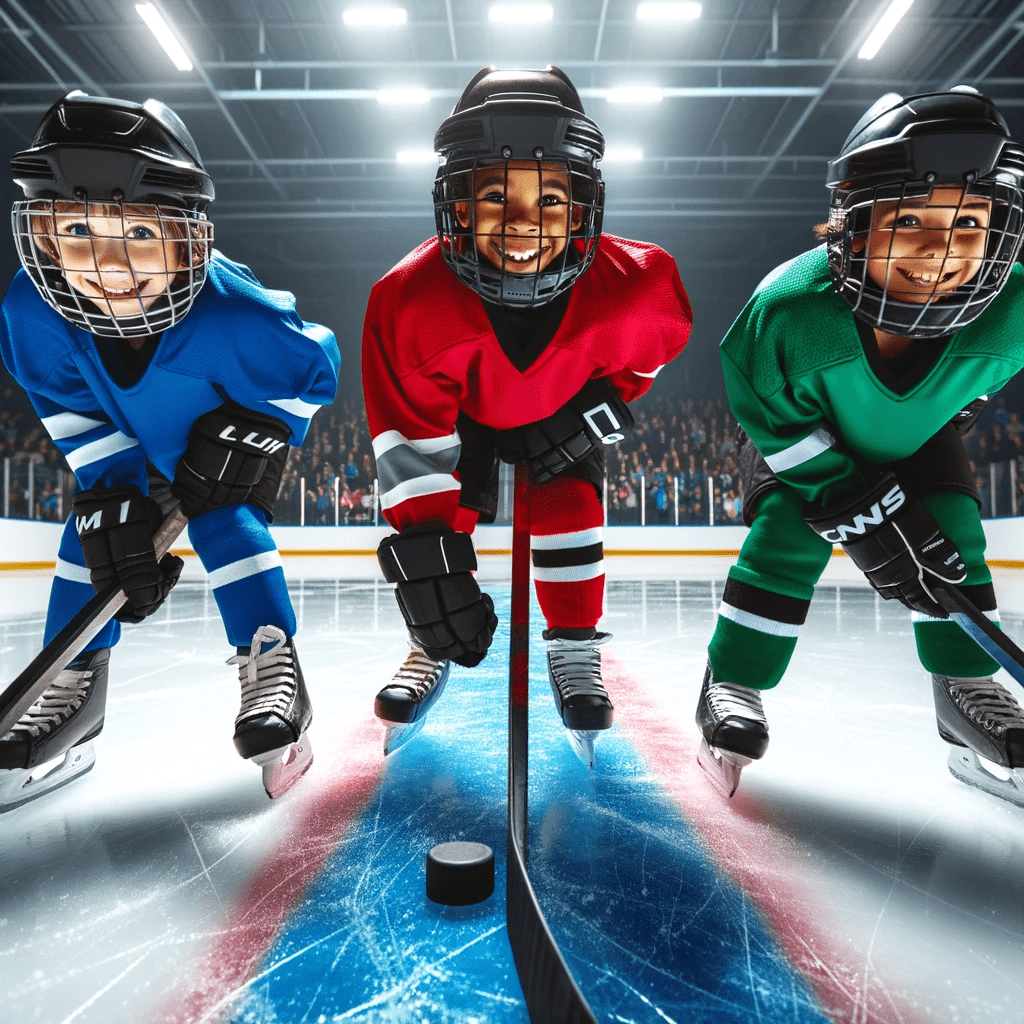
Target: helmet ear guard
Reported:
point(523, 117)
point(903, 149)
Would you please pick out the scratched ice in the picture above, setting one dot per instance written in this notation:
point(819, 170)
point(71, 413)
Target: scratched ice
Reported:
point(902, 885)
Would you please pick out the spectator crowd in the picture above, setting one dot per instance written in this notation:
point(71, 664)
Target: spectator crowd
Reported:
point(678, 465)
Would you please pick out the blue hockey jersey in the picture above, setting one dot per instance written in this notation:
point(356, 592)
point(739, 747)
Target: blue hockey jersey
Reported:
point(239, 340)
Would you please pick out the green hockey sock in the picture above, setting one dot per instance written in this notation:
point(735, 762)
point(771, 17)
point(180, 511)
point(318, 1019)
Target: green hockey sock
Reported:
point(747, 656)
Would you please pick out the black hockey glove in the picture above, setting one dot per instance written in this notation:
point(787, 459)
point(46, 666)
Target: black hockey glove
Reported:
point(596, 415)
point(234, 456)
point(968, 415)
point(115, 528)
point(437, 593)
point(893, 539)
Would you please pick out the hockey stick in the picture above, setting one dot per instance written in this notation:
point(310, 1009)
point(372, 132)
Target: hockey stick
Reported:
point(552, 996)
point(994, 642)
point(71, 640)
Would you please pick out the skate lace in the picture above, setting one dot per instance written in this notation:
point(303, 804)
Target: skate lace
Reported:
point(576, 667)
point(732, 699)
point(984, 701)
point(59, 701)
point(268, 677)
point(418, 674)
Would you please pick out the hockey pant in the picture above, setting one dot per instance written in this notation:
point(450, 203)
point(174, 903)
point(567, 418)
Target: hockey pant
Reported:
point(241, 561)
point(566, 541)
point(769, 590)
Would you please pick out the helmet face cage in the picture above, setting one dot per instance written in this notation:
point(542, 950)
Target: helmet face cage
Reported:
point(137, 286)
point(492, 275)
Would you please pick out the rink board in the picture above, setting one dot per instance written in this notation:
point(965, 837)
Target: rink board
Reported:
point(851, 878)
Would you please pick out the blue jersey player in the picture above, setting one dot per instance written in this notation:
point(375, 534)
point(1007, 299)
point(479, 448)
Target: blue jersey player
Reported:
point(163, 372)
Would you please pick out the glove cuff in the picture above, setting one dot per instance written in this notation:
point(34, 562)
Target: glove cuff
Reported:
point(423, 555)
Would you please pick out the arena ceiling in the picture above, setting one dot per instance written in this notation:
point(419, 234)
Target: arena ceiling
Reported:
point(284, 100)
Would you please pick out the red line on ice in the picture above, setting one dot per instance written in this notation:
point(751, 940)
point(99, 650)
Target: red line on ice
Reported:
point(325, 806)
point(756, 858)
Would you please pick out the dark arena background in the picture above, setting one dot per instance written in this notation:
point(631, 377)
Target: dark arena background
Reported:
point(851, 879)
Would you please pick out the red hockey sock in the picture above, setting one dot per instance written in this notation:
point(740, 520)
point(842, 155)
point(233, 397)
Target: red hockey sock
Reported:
point(566, 521)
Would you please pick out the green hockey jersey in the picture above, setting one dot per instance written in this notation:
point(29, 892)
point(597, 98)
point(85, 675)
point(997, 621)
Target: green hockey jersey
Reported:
point(801, 384)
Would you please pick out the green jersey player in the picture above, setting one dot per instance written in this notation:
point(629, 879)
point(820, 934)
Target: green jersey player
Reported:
point(852, 369)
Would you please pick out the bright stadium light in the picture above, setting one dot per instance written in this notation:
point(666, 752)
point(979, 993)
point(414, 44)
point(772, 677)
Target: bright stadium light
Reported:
point(403, 97)
point(634, 94)
point(522, 14)
point(686, 10)
point(622, 155)
point(416, 156)
point(890, 18)
point(374, 17)
point(164, 36)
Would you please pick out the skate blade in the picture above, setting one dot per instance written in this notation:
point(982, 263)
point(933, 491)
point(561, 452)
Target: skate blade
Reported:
point(398, 734)
point(723, 767)
point(1005, 783)
point(20, 786)
point(582, 743)
point(283, 767)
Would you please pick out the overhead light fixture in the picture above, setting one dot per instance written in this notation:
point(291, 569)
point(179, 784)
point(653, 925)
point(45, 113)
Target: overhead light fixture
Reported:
point(164, 36)
point(374, 17)
point(523, 14)
point(685, 10)
point(403, 97)
point(622, 155)
point(890, 18)
point(634, 94)
point(416, 156)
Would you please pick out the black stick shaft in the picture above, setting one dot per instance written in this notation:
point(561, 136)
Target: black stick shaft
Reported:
point(72, 639)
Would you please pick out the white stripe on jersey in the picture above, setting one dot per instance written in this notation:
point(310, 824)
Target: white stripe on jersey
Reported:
point(435, 483)
point(296, 406)
point(558, 541)
point(389, 439)
point(68, 424)
point(244, 568)
point(653, 373)
point(803, 451)
point(568, 573)
point(103, 448)
point(758, 622)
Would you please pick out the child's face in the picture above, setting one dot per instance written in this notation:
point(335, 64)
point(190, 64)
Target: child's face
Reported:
point(521, 214)
point(119, 260)
point(921, 249)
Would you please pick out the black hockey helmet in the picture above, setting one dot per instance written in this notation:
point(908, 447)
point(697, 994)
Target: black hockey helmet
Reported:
point(94, 153)
point(507, 117)
point(900, 150)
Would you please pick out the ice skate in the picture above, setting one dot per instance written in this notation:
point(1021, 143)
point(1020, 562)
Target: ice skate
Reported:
point(734, 730)
point(403, 704)
point(271, 726)
point(574, 669)
point(985, 726)
point(51, 744)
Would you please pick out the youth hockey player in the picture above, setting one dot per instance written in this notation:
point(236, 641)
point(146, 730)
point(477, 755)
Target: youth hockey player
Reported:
point(519, 331)
point(162, 371)
point(851, 369)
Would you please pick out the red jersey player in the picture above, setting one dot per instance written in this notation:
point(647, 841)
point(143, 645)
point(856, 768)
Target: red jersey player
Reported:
point(519, 332)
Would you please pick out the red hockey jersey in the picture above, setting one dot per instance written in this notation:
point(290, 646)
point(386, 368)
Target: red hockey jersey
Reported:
point(429, 351)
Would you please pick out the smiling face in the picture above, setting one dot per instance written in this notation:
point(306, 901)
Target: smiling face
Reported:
point(521, 215)
point(919, 250)
point(120, 258)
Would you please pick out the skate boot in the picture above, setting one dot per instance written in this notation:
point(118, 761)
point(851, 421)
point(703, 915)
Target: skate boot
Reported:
point(734, 730)
point(574, 669)
point(403, 704)
point(985, 726)
point(270, 729)
point(51, 744)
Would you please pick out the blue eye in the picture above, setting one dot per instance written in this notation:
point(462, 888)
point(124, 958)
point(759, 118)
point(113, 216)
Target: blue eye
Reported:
point(77, 229)
point(141, 233)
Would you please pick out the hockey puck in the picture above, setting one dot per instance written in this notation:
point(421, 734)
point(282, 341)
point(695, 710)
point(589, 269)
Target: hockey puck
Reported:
point(460, 873)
